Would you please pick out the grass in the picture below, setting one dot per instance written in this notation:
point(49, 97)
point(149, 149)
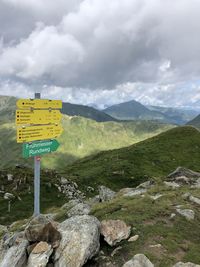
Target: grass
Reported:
point(127, 167)
point(149, 219)
point(81, 137)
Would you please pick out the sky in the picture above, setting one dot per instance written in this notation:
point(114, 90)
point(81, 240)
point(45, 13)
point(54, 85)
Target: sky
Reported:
point(100, 52)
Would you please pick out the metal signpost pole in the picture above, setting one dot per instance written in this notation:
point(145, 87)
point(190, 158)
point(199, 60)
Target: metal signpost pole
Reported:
point(37, 179)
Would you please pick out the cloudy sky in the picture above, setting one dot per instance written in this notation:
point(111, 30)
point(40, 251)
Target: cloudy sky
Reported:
point(102, 52)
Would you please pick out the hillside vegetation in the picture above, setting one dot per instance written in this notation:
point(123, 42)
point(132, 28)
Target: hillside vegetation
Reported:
point(154, 157)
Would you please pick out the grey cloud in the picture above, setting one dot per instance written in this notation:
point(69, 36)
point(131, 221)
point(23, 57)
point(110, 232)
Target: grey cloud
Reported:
point(101, 45)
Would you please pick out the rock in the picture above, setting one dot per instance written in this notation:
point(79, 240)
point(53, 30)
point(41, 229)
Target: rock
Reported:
point(39, 256)
point(155, 197)
point(131, 192)
point(79, 209)
point(188, 264)
point(133, 238)
point(146, 184)
point(155, 246)
point(63, 181)
point(41, 228)
point(115, 251)
point(180, 171)
point(10, 177)
point(188, 214)
point(172, 216)
point(197, 184)
point(8, 196)
point(71, 204)
point(139, 260)
point(114, 231)
point(172, 184)
point(194, 200)
point(80, 241)
point(15, 256)
point(105, 193)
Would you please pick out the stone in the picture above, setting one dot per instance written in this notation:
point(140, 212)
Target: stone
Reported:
point(172, 216)
point(133, 238)
point(80, 241)
point(15, 256)
point(197, 184)
point(40, 247)
point(64, 181)
point(155, 246)
point(114, 231)
point(180, 171)
point(8, 196)
point(115, 251)
point(42, 228)
point(172, 184)
point(3, 229)
point(131, 192)
point(139, 260)
point(187, 213)
point(70, 204)
point(79, 209)
point(40, 255)
point(10, 177)
point(188, 264)
point(105, 193)
point(155, 197)
point(195, 200)
point(146, 184)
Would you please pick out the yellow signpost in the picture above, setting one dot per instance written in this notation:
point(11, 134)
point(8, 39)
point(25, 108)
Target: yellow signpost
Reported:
point(40, 132)
point(37, 116)
point(39, 104)
point(38, 120)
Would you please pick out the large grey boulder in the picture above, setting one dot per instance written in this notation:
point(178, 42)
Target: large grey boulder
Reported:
point(114, 231)
point(42, 228)
point(80, 241)
point(188, 264)
point(105, 193)
point(15, 256)
point(139, 260)
point(39, 256)
point(79, 209)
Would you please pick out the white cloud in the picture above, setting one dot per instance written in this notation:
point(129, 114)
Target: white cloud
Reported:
point(150, 46)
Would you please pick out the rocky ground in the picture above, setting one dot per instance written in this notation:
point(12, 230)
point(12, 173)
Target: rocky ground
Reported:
point(155, 224)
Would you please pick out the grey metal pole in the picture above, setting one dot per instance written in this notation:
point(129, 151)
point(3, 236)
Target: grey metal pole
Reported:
point(37, 179)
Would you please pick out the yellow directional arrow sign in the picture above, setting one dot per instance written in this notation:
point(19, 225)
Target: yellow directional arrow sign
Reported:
point(39, 103)
point(37, 116)
point(34, 133)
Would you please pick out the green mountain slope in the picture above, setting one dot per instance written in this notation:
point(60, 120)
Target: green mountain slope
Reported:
point(195, 122)
point(176, 115)
point(81, 137)
point(133, 110)
point(128, 166)
point(85, 111)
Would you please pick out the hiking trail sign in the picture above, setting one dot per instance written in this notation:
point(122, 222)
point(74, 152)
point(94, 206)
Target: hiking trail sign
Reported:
point(39, 148)
point(38, 122)
point(37, 116)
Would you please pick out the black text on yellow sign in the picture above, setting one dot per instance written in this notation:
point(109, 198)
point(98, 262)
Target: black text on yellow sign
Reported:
point(36, 116)
point(35, 133)
point(39, 104)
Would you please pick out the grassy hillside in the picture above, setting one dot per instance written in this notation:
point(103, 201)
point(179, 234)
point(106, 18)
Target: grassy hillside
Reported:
point(86, 112)
point(128, 166)
point(195, 122)
point(81, 137)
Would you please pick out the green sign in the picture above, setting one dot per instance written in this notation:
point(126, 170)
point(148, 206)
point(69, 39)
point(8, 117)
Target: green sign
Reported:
point(39, 148)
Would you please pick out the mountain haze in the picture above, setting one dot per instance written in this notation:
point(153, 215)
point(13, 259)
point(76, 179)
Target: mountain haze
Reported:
point(195, 122)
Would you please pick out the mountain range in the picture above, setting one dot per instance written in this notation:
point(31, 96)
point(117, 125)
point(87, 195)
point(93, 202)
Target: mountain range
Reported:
point(133, 110)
